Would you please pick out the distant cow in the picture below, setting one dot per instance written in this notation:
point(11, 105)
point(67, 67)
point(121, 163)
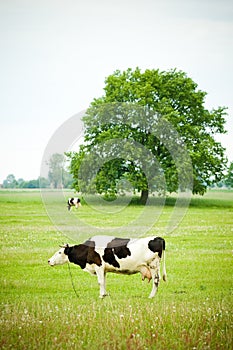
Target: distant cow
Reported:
point(102, 254)
point(73, 202)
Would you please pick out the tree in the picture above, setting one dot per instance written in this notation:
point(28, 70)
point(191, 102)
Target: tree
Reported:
point(31, 184)
point(229, 177)
point(10, 182)
point(43, 182)
point(58, 176)
point(20, 182)
point(163, 96)
point(55, 170)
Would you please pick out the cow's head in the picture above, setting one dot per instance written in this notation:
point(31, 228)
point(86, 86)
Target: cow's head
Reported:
point(59, 258)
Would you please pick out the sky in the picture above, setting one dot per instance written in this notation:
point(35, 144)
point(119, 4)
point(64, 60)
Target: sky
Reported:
point(56, 54)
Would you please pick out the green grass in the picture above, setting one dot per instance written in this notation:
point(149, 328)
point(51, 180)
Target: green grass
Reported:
point(192, 310)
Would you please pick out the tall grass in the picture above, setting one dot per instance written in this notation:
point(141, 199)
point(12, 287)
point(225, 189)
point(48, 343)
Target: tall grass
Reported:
point(193, 310)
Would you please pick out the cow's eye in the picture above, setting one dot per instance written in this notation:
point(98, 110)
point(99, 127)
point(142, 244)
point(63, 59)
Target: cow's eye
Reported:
point(59, 252)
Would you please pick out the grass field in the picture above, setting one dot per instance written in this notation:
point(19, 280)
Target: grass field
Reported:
point(192, 310)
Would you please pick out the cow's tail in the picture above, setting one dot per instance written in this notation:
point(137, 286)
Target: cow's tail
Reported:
point(164, 263)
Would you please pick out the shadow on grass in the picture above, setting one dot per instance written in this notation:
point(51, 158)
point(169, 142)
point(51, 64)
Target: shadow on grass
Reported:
point(204, 202)
point(170, 201)
point(218, 199)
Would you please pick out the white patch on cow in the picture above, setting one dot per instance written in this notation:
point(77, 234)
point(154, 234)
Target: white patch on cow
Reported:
point(59, 258)
point(101, 241)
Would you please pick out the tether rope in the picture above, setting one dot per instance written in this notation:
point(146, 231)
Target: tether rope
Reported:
point(72, 281)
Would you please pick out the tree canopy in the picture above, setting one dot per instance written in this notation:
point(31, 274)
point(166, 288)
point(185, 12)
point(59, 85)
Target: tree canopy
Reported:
point(130, 113)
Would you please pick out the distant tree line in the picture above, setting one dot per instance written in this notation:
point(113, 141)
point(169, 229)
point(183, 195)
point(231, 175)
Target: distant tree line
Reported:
point(41, 182)
point(12, 182)
point(58, 177)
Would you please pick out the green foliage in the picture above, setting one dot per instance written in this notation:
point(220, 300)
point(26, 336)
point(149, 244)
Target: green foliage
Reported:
point(170, 96)
point(229, 177)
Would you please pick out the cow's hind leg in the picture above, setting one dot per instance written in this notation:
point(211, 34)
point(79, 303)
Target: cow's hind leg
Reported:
point(155, 272)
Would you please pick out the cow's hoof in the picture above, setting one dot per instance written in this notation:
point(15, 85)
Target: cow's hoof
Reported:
point(104, 295)
point(151, 296)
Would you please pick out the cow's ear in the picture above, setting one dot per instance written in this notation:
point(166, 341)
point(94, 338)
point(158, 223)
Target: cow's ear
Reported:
point(64, 245)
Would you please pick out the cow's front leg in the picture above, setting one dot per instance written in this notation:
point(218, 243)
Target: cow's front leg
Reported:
point(155, 272)
point(101, 276)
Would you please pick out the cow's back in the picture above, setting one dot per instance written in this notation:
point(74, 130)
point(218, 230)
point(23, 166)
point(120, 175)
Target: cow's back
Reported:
point(127, 255)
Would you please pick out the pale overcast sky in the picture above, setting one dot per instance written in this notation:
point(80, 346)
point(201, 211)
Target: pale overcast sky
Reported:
point(55, 55)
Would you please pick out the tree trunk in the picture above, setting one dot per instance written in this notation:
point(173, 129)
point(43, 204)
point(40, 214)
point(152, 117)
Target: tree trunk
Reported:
point(144, 196)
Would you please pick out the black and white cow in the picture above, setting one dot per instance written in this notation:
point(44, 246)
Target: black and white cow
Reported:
point(73, 202)
point(102, 254)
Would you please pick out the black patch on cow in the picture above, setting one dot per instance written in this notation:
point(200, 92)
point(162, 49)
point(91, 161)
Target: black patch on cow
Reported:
point(118, 247)
point(83, 254)
point(72, 200)
point(157, 245)
point(109, 257)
